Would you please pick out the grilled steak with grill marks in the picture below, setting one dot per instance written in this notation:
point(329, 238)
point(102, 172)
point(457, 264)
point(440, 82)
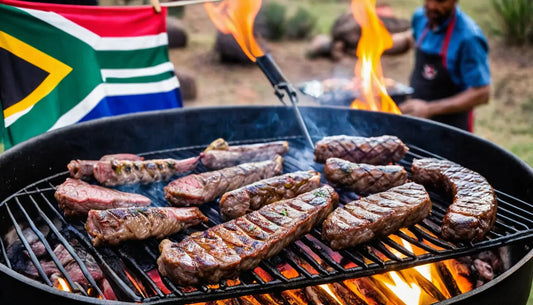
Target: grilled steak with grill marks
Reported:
point(199, 188)
point(119, 172)
point(473, 211)
point(77, 197)
point(254, 196)
point(225, 250)
point(83, 169)
point(363, 178)
point(227, 156)
point(376, 215)
point(377, 151)
point(116, 225)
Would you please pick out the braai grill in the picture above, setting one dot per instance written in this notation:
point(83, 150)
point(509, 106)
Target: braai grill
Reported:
point(31, 171)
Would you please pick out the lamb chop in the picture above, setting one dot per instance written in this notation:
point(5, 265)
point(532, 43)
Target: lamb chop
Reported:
point(220, 155)
point(223, 251)
point(119, 172)
point(376, 215)
point(196, 189)
point(377, 150)
point(116, 225)
point(254, 196)
point(363, 178)
point(77, 197)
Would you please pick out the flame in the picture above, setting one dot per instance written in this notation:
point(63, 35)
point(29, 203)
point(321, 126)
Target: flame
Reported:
point(375, 39)
point(135, 283)
point(328, 290)
point(62, 284)
point(236, 17)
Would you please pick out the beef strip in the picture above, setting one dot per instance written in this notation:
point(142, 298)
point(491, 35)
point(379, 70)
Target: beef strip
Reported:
point(254, 196)
point(363, 178)
point(199, 188)
point(377, 151)
point(119, 172)
point(473, 211)
point(116, 225)
point(219, 156)
point(225, 250)
point(83, 169)
point(77, 197)
point(376, 215)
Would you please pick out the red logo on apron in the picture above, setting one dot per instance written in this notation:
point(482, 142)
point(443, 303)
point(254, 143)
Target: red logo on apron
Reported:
point(429, 72)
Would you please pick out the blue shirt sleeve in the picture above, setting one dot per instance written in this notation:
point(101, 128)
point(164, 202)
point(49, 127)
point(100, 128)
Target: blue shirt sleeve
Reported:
point(474, 63)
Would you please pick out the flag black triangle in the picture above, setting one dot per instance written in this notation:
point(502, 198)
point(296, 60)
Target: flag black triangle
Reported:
point(19, 78)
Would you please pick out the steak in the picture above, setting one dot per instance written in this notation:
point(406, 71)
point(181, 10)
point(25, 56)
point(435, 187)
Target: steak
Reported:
point(473, 211)
point(217, 158)
point(376, 215)
point(196, 189)
point(119, 172)
point(83, 169)
point(254, 196)
point(116, 225)
point(377, 151)
point(363, 178)
point(223, 251)
point(77, 197)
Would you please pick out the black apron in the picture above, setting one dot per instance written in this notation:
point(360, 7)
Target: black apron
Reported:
point(431, 80)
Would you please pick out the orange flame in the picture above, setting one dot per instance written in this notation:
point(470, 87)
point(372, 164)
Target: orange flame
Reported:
point(375, 39)
point(62, 284)
point(237, 17)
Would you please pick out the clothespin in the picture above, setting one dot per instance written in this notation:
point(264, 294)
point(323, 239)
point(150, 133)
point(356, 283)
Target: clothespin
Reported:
point(156, 5)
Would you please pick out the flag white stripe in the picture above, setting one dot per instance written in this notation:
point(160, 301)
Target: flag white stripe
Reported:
point(88, 103)
point(126, 73)
point(94, 40)
point(14, 117)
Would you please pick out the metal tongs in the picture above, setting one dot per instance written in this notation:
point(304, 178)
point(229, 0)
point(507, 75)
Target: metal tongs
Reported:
point(282, 88)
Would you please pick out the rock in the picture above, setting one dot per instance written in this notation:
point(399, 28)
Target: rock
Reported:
point(230, 51)
point(320, 46)
point(187, 85)
point(177, 37)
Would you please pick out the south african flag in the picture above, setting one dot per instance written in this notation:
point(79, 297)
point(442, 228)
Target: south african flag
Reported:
point(62, 64)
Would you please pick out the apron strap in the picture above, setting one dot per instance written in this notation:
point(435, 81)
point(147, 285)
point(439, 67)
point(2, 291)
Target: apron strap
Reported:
point(449, 32)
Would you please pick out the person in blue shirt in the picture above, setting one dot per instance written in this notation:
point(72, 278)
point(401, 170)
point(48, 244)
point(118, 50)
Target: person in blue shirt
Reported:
point(451, 74)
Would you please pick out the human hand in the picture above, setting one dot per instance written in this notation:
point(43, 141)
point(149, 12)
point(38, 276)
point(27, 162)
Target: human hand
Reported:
point(415, 107)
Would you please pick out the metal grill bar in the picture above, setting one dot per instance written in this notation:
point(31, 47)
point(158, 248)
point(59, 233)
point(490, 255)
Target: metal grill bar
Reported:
point(48, 248)
point(514, 223)
point(32, 255)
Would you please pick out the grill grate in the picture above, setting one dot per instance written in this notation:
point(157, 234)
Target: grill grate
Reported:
point(131, 269)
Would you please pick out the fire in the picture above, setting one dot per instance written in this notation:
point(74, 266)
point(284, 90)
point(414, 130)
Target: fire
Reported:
point(375, 39)
point(236, 17)
point(62, 284)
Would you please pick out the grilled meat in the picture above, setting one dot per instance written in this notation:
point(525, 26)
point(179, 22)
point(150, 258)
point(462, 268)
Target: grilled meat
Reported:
point(116, 225)
point(473, 211)
point(119, 172)
point(363, 178)
point(219, 156)
point(83, 169)
point(254, 196)
point(223, 251)
point(376, 215)
point(377, 151)
point(77, 197)
point(199, 188)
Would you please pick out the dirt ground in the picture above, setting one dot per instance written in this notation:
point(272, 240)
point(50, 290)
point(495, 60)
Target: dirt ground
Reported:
point(507, 120)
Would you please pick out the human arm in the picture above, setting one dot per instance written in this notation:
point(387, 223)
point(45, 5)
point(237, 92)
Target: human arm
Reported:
point(460, 102)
